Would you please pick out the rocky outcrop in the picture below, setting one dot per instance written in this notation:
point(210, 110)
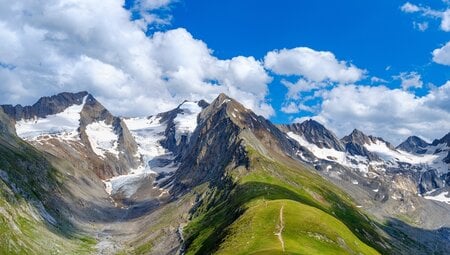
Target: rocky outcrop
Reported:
point(429, 181)
point(216, 134)
point(443, 140)
point(413, 144)
point(45, 106)
point(219, 143)
point(170, 142)
point(6, 124)
point(315, 133)
point(93, 112)
point(354, 144)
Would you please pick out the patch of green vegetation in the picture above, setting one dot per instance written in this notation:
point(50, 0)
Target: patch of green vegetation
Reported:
point(305, 230)
point(28, 179)
point(268, 180)
point(143, 249)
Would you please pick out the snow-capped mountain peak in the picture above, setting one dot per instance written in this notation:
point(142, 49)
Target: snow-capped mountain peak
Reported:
point(63, 124)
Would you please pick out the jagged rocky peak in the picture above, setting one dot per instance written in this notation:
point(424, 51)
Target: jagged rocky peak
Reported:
point(216, 134)
point(354, 144)
point(443, 140)
point(241, 116)
point(315, 133)
point(45, 106)
point(77, 118)
point(356, 136)
point(444, 143)
point(226, 128)
point(413, 144)
point(179, 124)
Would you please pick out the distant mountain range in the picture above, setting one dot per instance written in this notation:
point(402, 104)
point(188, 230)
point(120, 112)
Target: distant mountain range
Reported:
point(212, 178)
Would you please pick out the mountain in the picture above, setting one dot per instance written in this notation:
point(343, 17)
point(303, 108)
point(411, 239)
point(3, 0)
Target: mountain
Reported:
point(315, 133)
point(80, 120)
point(443, 146)
point(383, 179)
point(208, 178)
point(413, 144)
point(354, 144)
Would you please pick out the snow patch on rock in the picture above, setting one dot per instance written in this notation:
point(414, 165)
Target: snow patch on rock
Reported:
point(340, 157)
point(186, 121)
point(63, 125)
point(387, 154)
point(102, 138)
point(148, 133)
point(442, 197)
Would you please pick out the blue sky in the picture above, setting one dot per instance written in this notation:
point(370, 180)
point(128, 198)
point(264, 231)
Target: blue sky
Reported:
point(380, 66)
point(371, 35)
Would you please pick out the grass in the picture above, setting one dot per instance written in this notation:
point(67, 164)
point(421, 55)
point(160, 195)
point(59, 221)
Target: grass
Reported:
point(307, 230)
point(32, 178)
point(227, 223)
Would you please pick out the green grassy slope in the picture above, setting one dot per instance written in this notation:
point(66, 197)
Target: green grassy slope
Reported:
point(305, 230)
point(243, 219)
point(28, 182)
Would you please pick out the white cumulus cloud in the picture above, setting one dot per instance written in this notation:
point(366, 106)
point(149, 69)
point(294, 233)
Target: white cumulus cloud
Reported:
point(442, 55)
point(314, 70)
point(392, 114)
point(409, 8)
point(313, 65)
point(443, 15)
point(53, 46)
point(410, 80)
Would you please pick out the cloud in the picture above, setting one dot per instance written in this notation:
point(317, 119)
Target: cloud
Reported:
point(316, 66)
point(409, 8)
point(445, 24)
point(290, 108)
point(314, 70)
point(410, 80)
point(393, 114)
point(71, 45)
point(425, 11)
point(144, 13)
point(421, 26)
point(375, 79)
point(442, 55)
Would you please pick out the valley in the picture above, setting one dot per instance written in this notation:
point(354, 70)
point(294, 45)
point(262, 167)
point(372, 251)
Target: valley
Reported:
point(209, 178)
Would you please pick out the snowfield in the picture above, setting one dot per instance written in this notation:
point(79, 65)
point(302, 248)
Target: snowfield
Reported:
point(389, 156)
point(186, 122)
point(63, 125)
point(442, 197)
point(148, 133)
point(340, 157)
point(102, 138)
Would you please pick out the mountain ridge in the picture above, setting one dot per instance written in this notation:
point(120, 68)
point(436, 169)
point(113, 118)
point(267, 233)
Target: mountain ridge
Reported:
point(192, 172)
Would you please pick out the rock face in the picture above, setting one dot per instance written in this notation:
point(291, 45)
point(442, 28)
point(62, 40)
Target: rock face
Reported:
point(224, 128)
point(354, 144)
point(173, 141)
point(45, 106)
point(443, 140)
point(315, 133)
point(413, 144)
point(199, 143)
point(446, 142)
point(429, 181)
point(91, 112)
point(94, 112)
point(6, 124)
point(371, 169)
